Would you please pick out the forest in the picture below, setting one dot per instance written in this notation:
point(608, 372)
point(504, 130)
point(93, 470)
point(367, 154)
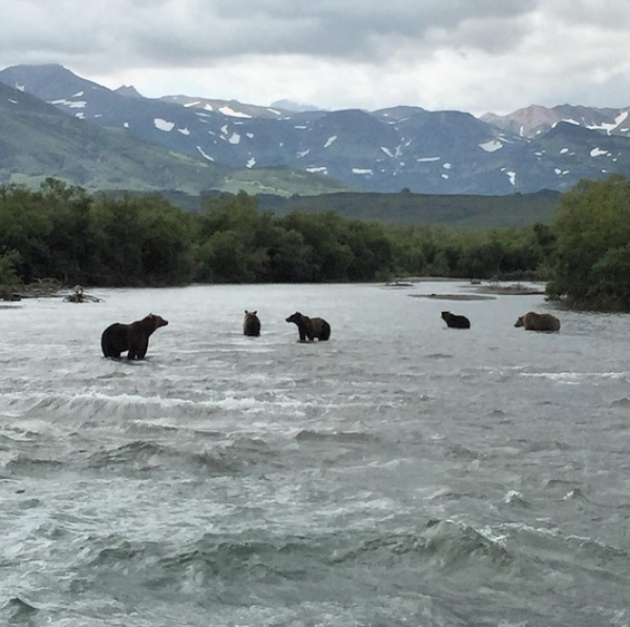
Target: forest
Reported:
point(60, 231)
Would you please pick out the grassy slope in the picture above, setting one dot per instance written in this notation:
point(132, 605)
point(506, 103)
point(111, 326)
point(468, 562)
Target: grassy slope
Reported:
point(38, 141)
point(469, 212)
point(457, 212)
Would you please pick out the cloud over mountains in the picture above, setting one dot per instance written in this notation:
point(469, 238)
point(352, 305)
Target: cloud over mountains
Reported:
point(487, 55)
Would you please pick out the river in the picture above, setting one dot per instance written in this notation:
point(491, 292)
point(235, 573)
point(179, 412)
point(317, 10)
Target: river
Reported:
point(402, 473)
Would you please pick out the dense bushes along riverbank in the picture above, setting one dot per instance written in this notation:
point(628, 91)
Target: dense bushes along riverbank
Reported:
point(62, 232)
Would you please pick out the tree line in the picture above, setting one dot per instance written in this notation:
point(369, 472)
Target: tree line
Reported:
point(61, 231)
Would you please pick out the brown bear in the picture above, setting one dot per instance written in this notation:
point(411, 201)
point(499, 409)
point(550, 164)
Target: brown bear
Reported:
point(118, 337)
point(455, 321)
point(251, 324)
point(533, 321)
point(311, 328)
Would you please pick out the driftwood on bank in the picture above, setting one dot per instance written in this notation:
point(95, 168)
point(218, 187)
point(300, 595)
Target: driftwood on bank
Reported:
point(52, 288)
point(79, 296)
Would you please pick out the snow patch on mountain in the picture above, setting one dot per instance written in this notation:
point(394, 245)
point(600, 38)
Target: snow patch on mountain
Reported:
point(330, 140)
point(599, 152)
point(610, 126)
point(163, 125)
point(491, 146)
point(71, 104)
point(204, 154)
point(233, 113)
point(510, 174)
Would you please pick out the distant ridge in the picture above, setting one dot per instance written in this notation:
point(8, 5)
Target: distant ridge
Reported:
point(536, 120)
point(38, 141)
point(388, 150)
point(290, 105)
point(129, 91)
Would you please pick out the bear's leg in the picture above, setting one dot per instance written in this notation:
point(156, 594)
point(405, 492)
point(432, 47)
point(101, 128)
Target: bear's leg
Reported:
point(142, 349)
point(109, 350)
point(302, 335)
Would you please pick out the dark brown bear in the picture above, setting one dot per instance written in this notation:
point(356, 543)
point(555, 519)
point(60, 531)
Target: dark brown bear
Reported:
point(311, 328)
point(533, 321)
point(455, 321)
point(118, 337)
point(251, 324)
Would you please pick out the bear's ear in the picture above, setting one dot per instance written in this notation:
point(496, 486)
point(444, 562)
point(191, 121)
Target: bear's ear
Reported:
point(254, 312)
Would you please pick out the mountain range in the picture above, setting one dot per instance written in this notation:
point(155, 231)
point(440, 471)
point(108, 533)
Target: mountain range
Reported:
point(118, 138)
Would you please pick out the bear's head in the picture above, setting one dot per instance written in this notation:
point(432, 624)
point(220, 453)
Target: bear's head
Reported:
point(297, 318)
point(155, 321)
point(519, 322)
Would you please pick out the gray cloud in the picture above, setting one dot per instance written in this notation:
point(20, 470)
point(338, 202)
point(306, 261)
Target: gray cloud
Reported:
point(223, 28)
point(474, 55)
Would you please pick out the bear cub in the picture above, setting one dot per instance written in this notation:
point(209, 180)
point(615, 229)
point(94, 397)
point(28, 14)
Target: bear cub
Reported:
point(134, 338)
point(251, 324)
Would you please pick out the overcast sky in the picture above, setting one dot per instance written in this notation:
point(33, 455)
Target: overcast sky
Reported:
point(469, 55)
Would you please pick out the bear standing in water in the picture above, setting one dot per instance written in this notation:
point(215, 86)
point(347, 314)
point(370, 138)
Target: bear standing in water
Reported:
point(455, 321)
point(251, 324)
point(311, 328)
point(118, 337)
point(533, 321)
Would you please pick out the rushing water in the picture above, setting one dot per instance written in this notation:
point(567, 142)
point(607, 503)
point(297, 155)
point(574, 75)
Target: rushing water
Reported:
point(402, 473)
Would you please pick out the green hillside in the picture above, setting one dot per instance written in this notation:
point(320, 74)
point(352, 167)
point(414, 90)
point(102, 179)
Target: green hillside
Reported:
point(38, 141)
point(468, 212)
point(457, 212)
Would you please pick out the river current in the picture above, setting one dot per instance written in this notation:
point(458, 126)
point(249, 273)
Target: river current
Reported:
point(402, 473)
